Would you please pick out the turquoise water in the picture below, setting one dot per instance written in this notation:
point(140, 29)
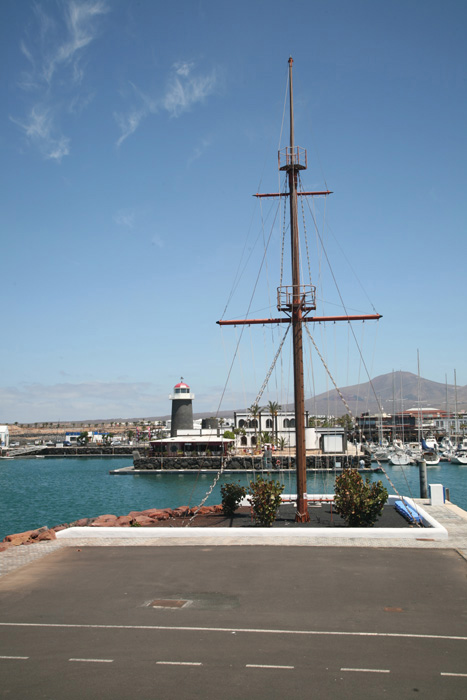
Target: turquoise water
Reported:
point(36, 492)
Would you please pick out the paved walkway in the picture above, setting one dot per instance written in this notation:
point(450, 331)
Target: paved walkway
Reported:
point(454, 519)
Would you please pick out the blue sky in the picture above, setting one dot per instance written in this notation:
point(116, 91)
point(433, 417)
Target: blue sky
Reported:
point(132, 138)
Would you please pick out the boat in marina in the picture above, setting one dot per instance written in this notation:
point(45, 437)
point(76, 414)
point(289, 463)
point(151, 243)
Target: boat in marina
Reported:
point(459, 457)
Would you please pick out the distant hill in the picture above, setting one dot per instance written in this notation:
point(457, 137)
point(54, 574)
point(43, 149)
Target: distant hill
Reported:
point(396, 391)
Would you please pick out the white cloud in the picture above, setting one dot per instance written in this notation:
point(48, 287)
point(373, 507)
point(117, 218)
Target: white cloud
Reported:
point(183, 68)
point(129, 123)
point(183, 91)
point(68, 401)
point(40, 130)
point(125, 218)
point(81, 29)
point(199, 150)
point(55, 49)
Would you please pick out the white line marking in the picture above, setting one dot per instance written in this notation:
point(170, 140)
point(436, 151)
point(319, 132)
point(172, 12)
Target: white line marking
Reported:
point(267, 666)
point(94, 661)
point(179, 663)
point(14, 657)
point(459, 675)
point(367, 670)
point(230, 630)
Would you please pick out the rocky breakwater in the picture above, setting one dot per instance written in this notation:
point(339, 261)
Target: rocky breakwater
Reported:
point(41, 534)
point(152, 517)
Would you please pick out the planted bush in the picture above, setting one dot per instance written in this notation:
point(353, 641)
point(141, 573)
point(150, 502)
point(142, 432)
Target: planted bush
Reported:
point(359, 501)
point(232, 494)
point(265, 500)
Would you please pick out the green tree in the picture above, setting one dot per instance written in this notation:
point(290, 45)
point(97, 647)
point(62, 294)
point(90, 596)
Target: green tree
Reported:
point(282, 443)
point(359, 502)
point(83, 438)
point(274, 409)
point(255, 412)
point(345, 422)
point(265, 500)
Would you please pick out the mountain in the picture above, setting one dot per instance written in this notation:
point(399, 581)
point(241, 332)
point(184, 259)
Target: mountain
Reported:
point(395, 391)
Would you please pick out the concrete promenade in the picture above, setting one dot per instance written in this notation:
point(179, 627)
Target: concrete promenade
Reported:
point(454, 519)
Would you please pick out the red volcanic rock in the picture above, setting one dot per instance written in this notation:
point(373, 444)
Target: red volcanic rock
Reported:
point(19, 537)
point(124, 521)
point(46, 535)
point(30, 536)
point(82, 522)
point(59, 528)
point(135, 514)
point(182, 512)
point(163, 515)
point(104, 521)
point(205, 510)
point(4, 546)
point(143, 520)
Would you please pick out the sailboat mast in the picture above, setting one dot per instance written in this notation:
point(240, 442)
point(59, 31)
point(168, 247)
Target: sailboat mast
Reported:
point(299, 392)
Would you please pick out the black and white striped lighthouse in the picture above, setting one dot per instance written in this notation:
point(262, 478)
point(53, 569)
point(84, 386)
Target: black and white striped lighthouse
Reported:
point(182, 408)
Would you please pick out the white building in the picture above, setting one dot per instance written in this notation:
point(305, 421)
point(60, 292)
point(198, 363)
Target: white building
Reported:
point(327, 440)
point(4, 436)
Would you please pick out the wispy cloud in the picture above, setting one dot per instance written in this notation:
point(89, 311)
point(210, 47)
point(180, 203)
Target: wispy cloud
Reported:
point(69, 401)
point(125, 218)
point(157, 241)
point(185, 88)
point(40, 130)
point(55, 50)
point(199, 149)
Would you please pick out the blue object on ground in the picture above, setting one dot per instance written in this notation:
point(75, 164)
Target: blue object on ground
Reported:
point(407, 511)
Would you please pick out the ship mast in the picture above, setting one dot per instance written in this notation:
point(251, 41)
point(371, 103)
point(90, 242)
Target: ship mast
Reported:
point(293, 165)
point(296, 301)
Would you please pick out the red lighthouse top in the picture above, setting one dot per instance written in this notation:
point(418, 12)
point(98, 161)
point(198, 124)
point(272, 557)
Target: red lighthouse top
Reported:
point(181, 385)
point(182, 388)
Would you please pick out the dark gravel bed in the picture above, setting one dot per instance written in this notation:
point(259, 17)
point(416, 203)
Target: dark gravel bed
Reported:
point(320, 516)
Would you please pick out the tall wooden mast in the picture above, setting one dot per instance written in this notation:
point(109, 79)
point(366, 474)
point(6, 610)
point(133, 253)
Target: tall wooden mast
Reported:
point(293, 165)
point(296, 301)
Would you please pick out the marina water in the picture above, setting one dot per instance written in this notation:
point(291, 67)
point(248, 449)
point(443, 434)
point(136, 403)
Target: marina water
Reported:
point(37, 492)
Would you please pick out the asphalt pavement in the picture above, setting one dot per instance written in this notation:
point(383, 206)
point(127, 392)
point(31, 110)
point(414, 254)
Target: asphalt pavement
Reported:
point(235, 622)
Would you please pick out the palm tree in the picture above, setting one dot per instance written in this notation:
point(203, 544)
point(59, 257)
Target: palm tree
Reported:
point(274, 409)
point(255, 412)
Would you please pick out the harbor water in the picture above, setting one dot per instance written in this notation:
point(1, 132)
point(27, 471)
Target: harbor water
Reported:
point(37, 492)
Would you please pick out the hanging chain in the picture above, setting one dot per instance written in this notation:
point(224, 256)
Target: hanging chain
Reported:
point(265, 383)
point(208, 493)
point(256, 402)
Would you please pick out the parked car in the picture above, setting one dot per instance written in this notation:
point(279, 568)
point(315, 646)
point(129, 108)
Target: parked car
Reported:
point(66, 443)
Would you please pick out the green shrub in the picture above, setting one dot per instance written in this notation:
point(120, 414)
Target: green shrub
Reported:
point(232, 494)
point(265, 500)
point(359, 502)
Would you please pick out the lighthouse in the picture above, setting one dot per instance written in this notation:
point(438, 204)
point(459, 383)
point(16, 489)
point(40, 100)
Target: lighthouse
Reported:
point(182, 408)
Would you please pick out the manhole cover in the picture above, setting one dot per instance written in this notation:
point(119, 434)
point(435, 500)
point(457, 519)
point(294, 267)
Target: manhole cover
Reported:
point(168, 603)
